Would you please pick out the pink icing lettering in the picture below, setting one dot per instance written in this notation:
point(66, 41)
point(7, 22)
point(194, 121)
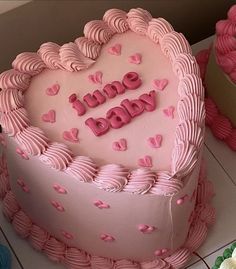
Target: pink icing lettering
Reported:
point(119, 87)
point(149, 100)
point(155, 141)
point(145, 162)
point(72, 98)
point(110, 90)
point(95, 99)
point(99, 126)
point(120, 145)
point(118, 117)
point(79, 107)
point(135, 58)
point(101, 205)
point(134, 107)
point(131, 80)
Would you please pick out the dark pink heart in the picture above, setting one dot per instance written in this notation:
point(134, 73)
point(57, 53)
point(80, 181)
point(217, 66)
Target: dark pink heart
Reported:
point(155, 142)
point(135, 58)
point(53, 90)
point(71, 135)
point(50, 116)
point(115, 50)
point(96, 78)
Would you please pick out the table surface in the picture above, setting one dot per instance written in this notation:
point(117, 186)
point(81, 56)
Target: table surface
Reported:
point(221, 170)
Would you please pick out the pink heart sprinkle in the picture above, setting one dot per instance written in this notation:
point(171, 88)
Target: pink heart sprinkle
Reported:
point(59, 189)
point(67, 235)
point(96, 78)
point(120, 145)
point(169, 112)
point(183, 199)
point(71, 135)
point(145, 162)
point(146, 228)
point(107, 238)
point(101, 205)
point(58, 206)
point(53, 90)
point(50, 116)
point(135, 58)
point(115, 50)
point(155, 142)
point(22, 154)
point(160, 84)
point(160, 252)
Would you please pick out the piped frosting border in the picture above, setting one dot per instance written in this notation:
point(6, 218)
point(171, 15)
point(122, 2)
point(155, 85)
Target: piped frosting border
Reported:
point(78, 55)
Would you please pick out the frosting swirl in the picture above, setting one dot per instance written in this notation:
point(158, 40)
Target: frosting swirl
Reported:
point(72, 58)
point(38, 237)
point(179, 258)
point(225, 43)
point(205, 191)
point(111, 177)
point(75, 258)
point(126, 264)
point(156, 264)
point(49, 53)
point(206, 213)
point(166, 184)
point(28, 62)
point(221, 127)
point(138, 20)
point(189, 131)
point(11, 99)
point(4, 185)
point(10, 205)
point(232, 13)
point(184, 158)
point(98, 31)
point(158, 28)
point(225, 27)
point(32, 140)
point(22, 224)
point(211, 111)
point(54, 249)
point(57, 156)
point(15, 121)
point(116, 19)
point(82, 168)
point(101, 263)
point(140, 181)
point(88, 47)
point(12, 79)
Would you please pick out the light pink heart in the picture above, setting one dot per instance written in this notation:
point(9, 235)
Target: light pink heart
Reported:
point(107, 238)
point(67, 235)
point(120, 145)
point(169, 112)
point(146, 228)
point(115, 50)
point(135, 58)
point(155, 141)
point(22, 154)
point(96, 78)
point(50, 116)
point(146, 161)
point(101, 204)
point(59, 189)
point(71, 135)
point(160, 84)
point(51, 91)
point(58, 206)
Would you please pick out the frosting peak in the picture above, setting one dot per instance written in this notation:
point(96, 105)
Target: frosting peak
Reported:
point(116, 19)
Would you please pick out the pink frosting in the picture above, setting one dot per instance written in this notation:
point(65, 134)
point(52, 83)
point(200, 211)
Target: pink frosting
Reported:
point(12, 79)
point(32, 140)
point(57, 156)
point(98, 31)
point(225, 27)
point(179, 258)
point(206, 213)
point(111, 177)
point(82, 168)
point(191, 84)
point(38, 237)
point(156, 264)
point(140, 181)
point(138, 20)
point(205, 191)
point(101, 263)
point(72, 58)
point(158, 28)
point(232, 13)
point(4, 181)
point(88, 47)
point(15, 121)
point(76, 259)
point(126, 264)
point(22, 224)
point(10, 205)
point(11, 99)
point(49, 53)
point(221, 127)
point(231, 140)
point(54, 249)
point(28, 62)
point(116, 19)
point(211, 111)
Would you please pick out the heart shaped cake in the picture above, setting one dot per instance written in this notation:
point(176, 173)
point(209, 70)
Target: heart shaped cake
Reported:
point(102, 146)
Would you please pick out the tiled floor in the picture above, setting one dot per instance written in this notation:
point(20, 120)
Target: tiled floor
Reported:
point(221, 170)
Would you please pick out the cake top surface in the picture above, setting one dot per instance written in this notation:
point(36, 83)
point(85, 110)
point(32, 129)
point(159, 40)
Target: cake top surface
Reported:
point(225, 44)
point(124, 100)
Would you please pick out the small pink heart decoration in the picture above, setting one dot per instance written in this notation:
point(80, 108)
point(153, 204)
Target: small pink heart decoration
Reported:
point(50, 116)
point(107, 238)
point(146, 229)
point(160, 84)
point(182, 200)
point(135, 58)
point(59, 189)
point(160, 252)
point(169, 112)
point(145, 162)
point(71, 135)
point(115, 50)
point(96, 78)
point(155, 141)
point(101, 205)
point(53, 90)
point(23, 185)
point(67, 235)
point(120, 145)
point(58, 206)
point(22, 154)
